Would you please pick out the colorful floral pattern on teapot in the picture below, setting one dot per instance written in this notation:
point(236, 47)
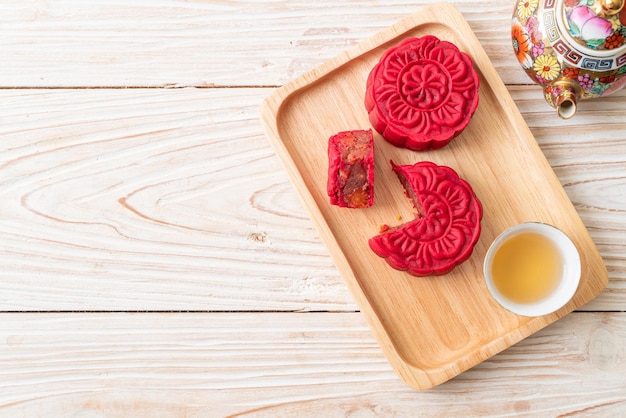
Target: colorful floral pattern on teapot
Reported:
point(574, 49)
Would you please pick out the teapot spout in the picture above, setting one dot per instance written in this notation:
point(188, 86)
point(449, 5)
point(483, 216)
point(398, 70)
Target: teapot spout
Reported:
point(563, 96)
point(567, 107)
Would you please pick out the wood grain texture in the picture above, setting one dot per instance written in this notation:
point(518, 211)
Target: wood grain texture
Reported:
point(587, 155)
point(172, 199)
point(287, 364)
point(151, 200)
point(204, 43)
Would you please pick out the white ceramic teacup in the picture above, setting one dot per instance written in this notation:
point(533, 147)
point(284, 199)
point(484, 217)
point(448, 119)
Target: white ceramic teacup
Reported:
point(568, 280)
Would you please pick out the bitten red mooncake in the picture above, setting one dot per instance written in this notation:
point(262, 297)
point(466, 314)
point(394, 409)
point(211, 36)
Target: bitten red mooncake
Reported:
point(446, 228)
point(422, 93)
point(351, 169)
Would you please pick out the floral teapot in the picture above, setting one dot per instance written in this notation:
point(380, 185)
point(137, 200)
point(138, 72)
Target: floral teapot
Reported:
point(574, 49)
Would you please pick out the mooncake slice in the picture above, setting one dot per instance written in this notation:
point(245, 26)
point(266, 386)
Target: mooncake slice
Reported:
point(446, 227)
point(351, 169)
point(422, 93)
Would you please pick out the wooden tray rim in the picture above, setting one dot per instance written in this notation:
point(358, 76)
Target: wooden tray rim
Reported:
point(447, 13)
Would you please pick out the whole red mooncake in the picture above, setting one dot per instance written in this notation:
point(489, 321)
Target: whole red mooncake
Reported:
point(422, 93)
point(446, 228)
point(351, 169)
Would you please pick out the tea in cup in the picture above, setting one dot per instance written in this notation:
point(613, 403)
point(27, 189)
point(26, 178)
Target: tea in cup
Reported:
point(532, 269)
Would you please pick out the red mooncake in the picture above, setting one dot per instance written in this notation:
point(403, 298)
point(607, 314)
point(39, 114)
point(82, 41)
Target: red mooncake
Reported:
point(351, 169)
point(422, 93)
point(446, 228)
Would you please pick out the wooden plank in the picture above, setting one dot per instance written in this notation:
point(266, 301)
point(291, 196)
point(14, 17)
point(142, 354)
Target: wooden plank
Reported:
point(185, 43)
point(285, 364)
point(150, 200)
point(153, 199)
point(114, 200)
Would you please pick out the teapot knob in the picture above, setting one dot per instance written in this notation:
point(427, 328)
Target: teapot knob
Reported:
point(609, 7)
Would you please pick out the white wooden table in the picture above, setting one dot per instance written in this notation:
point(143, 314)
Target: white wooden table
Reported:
point(155, 261)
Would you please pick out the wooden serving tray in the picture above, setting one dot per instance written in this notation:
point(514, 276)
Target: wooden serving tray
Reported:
point(433, 328)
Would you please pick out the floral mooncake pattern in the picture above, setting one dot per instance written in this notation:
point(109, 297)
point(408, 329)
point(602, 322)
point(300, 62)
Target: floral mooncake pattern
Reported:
point(446, 228)
point(422, 93)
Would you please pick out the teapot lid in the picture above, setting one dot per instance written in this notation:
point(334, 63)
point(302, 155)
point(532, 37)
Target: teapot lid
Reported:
point(598, 27)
